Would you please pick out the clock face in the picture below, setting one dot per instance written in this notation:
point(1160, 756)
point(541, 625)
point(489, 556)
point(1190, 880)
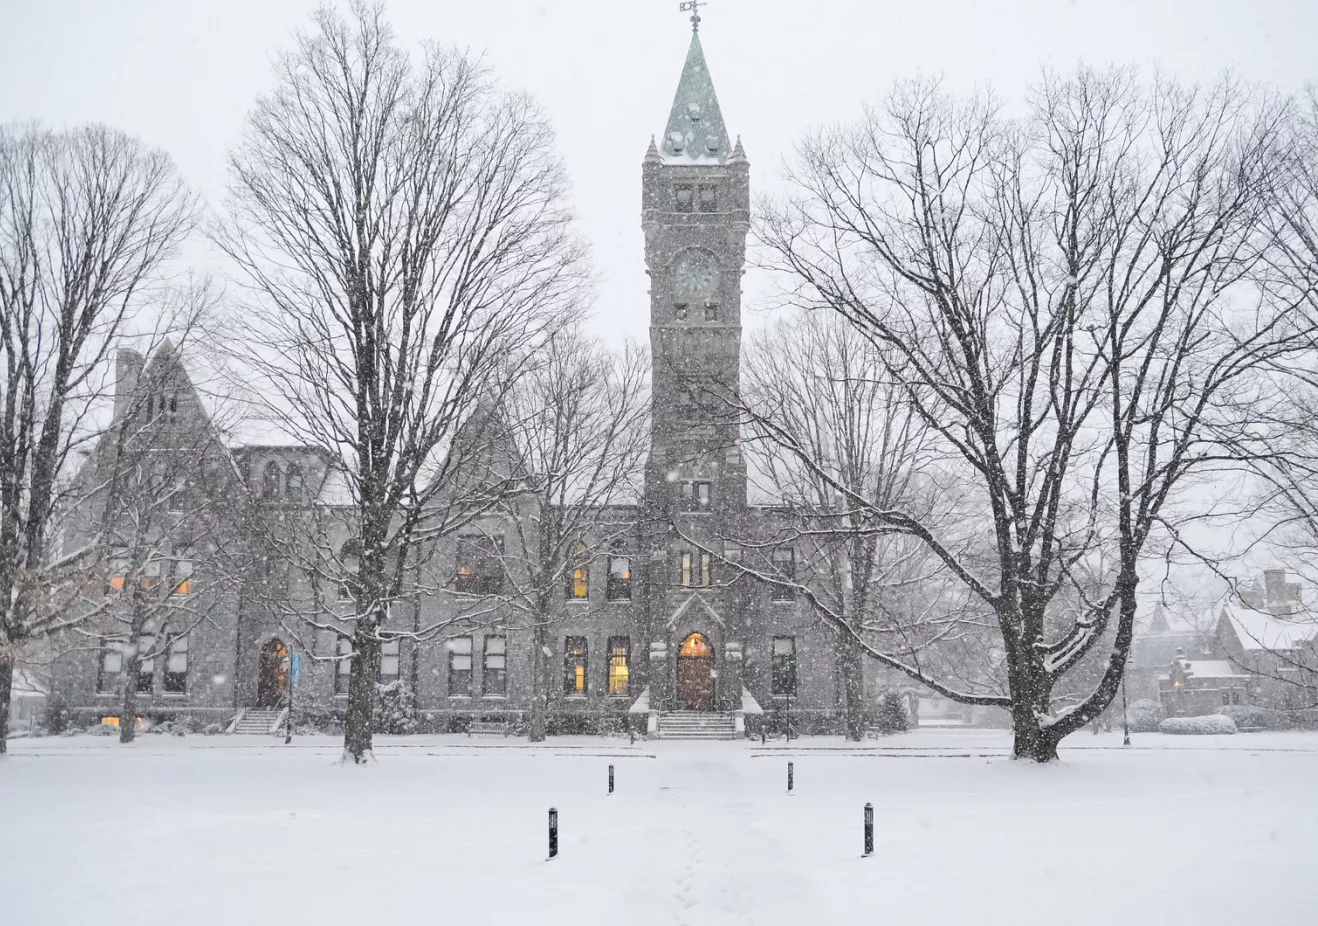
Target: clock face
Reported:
point(696, 274)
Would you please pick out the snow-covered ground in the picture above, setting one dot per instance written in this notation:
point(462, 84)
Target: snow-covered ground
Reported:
point(246, 831)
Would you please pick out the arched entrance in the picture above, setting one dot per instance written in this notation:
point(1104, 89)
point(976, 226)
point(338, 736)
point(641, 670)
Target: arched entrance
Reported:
point(272, 681)
point(695, 674)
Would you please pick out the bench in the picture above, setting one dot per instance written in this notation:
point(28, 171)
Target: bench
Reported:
point(487, 728)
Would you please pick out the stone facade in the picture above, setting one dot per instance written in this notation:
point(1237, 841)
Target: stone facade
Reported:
point(662, 619)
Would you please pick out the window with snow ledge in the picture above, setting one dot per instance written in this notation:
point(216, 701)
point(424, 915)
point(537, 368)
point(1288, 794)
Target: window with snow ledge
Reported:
point(709, 199)
point(684, 197)
point(459, 667)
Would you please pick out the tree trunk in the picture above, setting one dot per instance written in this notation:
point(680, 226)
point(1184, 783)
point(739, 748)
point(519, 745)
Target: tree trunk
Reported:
point(537, 727)
point(6, 692)
point(853, 689)
point(361, 693)
point(128, 706)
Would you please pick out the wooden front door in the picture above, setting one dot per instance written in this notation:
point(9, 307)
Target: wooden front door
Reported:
point(272, 680)
point(695, 674)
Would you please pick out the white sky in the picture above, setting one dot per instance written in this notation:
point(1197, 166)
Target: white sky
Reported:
point(183, 73)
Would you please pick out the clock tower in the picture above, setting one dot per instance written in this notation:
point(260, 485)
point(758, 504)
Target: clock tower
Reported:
point(695, 198)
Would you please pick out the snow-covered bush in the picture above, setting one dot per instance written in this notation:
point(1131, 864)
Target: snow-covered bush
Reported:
point(1247, 715)
point(891, 714)
point(1208, 725)
point(1144, 716)
point(212, 729)
point(395, 708)
point(104, 729)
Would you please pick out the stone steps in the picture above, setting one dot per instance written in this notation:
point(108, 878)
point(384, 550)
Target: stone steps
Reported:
point(696, 725)
point(256, 722)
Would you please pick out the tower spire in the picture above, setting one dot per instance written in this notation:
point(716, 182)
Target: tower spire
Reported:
point(695, 131)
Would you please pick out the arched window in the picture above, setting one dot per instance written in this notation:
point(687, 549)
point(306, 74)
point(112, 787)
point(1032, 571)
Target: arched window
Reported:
point(578, 571)
point(293, 483)
point(270, 481)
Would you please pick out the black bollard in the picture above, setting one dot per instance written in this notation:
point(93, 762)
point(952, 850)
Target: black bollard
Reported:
point(553, 832)
point(789, 777)
point(869, 829)
point(610, 779)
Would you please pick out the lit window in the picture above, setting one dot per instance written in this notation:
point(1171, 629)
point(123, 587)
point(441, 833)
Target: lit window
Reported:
point(118, 567)
point(783, 667)
point(388, 661)
point(146, 674)
point(680, 311)
point(574, 666)
point(620, 578)
point(343, 665)
point(619, 671)
point(112, 664)
point(578, 574)
point(494, 670)
point(709, 199)
point(176, 667)
point(459, 667)
point(480, 564)
point(684, 198)
point(784, 568)
point(684, 569)
point(151, 573)
point(183, 570)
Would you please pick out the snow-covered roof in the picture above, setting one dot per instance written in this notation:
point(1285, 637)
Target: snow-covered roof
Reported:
point(1258, 630)
point(260, 432)
point(1211, 668)
point(696, 133)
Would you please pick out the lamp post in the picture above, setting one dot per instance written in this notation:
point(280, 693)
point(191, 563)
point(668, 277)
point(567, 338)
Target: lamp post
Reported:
point(1125, 724)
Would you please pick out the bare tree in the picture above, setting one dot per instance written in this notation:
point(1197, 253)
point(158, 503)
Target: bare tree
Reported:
point(1070, 302)
point(577, 429)
point(823, 413)
point(400, 223)
point(89, 218)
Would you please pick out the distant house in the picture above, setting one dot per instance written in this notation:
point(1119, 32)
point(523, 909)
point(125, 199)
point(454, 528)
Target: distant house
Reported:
point(1278, 651)
point(1193, 687)
point(27, 702)
point(1159, 640)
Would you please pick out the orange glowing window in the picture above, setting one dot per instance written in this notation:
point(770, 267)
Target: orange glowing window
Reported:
point(185, 587)
point(695, 645)
point(117, 582)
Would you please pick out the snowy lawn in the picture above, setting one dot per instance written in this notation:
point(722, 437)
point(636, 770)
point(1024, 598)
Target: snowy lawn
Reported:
point(245, 832)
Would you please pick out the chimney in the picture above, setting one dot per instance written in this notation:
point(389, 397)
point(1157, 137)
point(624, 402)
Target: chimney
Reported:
point(128, 370)
point(1277, 594)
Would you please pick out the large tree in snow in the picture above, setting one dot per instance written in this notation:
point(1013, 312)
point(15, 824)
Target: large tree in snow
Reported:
point(88, 220)
point(1070, 300)
point(400, 224)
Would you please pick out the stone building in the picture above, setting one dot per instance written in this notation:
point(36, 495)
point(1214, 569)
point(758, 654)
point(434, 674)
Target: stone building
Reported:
point(662, 631)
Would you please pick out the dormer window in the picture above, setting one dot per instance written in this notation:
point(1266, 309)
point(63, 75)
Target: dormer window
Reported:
point(684, 197)
point(709, 197)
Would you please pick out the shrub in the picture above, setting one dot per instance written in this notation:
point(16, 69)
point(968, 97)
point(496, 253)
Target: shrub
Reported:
point(1247, 715)
point(213, 729)
point(1144, 716)
point(1208, 725)
point(395, 708)
point(891, 714)
point(55, 719)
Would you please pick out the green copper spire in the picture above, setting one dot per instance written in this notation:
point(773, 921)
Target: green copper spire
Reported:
point(695, 132)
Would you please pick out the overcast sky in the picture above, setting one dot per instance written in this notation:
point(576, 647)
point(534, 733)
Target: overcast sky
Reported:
point(183, 73)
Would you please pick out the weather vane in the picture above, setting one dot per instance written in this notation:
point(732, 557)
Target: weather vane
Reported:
point(694, 7)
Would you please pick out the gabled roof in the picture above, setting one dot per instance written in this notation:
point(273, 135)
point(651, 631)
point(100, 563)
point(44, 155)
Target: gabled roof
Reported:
point(1258, 631)
point(695, 132)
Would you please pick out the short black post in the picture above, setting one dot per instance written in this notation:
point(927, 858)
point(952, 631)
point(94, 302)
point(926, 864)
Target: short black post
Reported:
point(553, 832)
point(610, 779)
point(789, 777)
point(869, 829)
